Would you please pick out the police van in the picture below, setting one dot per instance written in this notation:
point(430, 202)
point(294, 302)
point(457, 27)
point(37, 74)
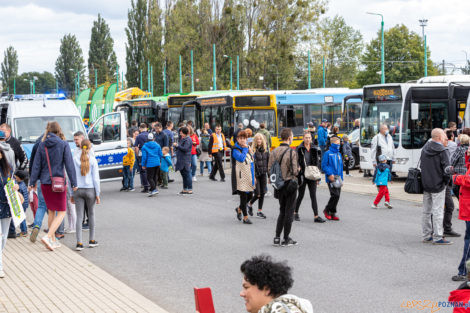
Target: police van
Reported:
point(28, 116)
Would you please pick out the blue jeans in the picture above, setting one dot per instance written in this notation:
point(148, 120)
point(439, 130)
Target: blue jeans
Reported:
point(466, 252)
point(187, 180)
point(23, 226)
point(42, 209)
point(128, 181)
point(193, 165)
point(209, 166)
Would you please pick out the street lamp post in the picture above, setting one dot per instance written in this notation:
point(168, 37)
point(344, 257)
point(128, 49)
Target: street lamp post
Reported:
point(382, 79)
point(423, 23)
point(230, 59)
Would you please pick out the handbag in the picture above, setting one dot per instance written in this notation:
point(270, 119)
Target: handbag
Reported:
point(413, 183)
point(198, 151)
point(57, 183)
point(311, 172)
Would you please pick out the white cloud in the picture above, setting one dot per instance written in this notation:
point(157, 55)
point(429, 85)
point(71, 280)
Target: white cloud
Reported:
point(35, 32)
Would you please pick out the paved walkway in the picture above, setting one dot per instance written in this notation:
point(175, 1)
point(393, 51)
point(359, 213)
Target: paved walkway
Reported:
point(38, 280)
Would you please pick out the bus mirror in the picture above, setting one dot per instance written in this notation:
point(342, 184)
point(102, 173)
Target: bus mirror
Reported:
point(414, 111)
point(95, 138)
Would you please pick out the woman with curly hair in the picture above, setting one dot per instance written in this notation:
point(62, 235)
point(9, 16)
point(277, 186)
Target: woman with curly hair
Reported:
point(261, 156)
point(265, 286)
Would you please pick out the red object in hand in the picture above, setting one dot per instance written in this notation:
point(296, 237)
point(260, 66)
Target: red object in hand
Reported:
point(203, 298)
point(34, 203)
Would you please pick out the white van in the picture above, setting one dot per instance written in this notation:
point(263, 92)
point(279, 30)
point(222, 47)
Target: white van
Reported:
point(28, 116)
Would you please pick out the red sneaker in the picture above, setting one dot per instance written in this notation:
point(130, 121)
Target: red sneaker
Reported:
point(334, 218)
point(328, 216)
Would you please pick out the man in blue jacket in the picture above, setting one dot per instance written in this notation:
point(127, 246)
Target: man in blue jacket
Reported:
point(151, 156)
point(322, 136)
point(141, 139)
point(332, 165)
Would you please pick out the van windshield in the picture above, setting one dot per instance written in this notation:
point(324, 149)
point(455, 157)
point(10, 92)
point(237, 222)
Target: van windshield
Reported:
point(28, 129)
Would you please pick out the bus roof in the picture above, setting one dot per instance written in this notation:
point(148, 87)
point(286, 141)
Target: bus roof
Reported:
point(445, 79)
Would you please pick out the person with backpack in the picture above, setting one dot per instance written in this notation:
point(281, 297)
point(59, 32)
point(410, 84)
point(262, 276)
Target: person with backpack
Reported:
point(244, 173)
point(332, 165)
point(151, 156)
point(382, 176)
point(261, 155)
point(204, 157)
point(283, 170)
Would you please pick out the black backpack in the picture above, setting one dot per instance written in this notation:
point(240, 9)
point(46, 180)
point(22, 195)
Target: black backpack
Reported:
point(413, 183)
point(275, 174)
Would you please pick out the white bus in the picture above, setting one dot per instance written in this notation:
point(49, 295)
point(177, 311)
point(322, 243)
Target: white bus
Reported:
point(411, 111)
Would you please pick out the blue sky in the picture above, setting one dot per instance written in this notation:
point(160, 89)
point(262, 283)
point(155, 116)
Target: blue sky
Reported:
point(34, 28)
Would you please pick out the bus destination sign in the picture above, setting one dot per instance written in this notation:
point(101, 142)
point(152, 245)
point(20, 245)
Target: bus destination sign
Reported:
point(252, 101)
point(383, 93)
point(141, 103)
point(213, 101)
point(178, 101)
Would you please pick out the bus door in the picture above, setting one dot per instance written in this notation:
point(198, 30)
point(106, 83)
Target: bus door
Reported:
point(291, 116)
point(351, 110)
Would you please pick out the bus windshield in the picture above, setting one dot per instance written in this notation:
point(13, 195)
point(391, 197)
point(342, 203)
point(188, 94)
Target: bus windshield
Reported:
point(253, 118)
point(174, 115)
point(376, 113)
point(28, 129)
point(189, 113)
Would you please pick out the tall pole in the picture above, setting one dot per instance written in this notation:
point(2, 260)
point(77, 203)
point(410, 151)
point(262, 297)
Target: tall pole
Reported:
point(215, 72)
point(164, 78)
point(231, 84)
point(192, 72)
point(425, 58)
point(117, 77)
point(56, 86)
point(238, 72)
point(141, 87)
point(34, 86)
point(181, 78)
point(78, 82)
point(382, 79)
point(96, 78)
point(309, 82)
point(148, 76)
point(122, 80)
point(14, 85)
point(151, 79)
point(324, 73)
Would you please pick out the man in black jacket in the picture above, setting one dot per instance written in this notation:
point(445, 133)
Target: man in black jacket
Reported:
point(435, 172)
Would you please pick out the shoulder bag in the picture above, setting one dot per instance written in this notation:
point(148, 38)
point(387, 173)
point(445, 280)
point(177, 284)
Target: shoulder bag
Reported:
point(57, 183)
point(311, 172)
point(413, 183)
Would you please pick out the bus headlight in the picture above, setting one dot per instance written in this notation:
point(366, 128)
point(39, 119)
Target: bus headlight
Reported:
point(401, 161)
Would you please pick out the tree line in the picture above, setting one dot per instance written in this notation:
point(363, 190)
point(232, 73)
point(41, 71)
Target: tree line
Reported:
point(271, 40)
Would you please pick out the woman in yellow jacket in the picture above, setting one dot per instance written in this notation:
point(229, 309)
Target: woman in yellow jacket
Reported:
point(127, 165)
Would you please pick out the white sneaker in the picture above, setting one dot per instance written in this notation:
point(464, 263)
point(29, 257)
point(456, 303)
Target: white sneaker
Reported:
point(374, 206)
point(56, 244)
point(70, 231)
point(2, 274)
point(388, 205)
point(47, 242)
point(350, 175)
point(194, 178)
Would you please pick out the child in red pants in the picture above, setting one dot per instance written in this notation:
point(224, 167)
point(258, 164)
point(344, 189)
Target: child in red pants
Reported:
point(381, 178)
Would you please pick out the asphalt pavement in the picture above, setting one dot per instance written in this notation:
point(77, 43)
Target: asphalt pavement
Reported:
point(370, 261)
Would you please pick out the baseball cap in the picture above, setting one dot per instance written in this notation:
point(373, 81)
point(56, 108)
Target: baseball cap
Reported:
point(324, 120)
point(382, 157)
point(150, 136)
point(310, 124)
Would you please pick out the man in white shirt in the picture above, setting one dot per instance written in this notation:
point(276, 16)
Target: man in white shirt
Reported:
point(382, 143)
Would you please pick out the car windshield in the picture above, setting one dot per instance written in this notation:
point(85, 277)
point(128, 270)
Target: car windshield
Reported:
point(28, 129)
point(377, 113)
point(253, 118)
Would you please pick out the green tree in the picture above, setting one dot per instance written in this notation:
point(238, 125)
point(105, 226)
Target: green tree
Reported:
point(404, 57)
point(101, 55)
point(9, 67)
point(43, 82)
point(136, 32)
point(154, 47)
point(342, 46)
point(69, 62)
